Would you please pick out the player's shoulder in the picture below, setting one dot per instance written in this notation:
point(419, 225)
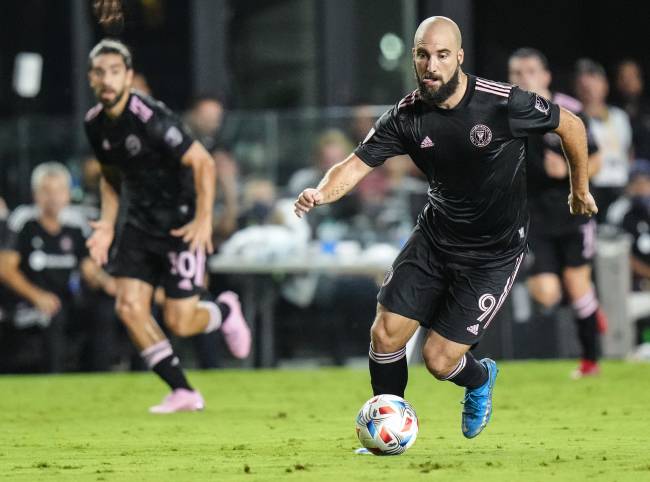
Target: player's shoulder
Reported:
point(408, 102)
point(22, 217)
point(93, 113)
point(492, 89)
point(146, 108)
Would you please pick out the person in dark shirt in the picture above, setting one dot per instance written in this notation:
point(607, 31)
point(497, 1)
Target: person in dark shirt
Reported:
point(469, 137)
point(563, 246)
point(167, 181)
point(42, 262)
point(636, 222)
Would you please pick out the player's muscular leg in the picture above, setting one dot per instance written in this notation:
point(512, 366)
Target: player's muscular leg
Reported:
point(390, 332)
point(545, 288)
point(441, 356)
point(577, 281)
point(133, 306)
point(183, 317)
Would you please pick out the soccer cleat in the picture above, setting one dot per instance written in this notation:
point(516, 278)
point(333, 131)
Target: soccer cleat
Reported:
point(180, 400)
point(477, 405)
point(587, 368)
point(234, 328)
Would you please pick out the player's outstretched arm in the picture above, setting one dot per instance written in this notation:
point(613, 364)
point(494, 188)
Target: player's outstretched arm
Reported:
point(198, 232)
point(336, 183)
point(100, 241)
point(574, 142)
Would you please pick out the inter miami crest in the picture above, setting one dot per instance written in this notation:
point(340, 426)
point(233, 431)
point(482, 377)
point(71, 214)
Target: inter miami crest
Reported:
point(480, 135)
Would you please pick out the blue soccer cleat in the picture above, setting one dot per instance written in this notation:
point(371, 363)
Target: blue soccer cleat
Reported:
point(477, 405)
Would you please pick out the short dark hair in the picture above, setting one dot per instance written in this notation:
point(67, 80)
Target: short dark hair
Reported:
point(111, 46)
point(585, 66)
point(528, 52)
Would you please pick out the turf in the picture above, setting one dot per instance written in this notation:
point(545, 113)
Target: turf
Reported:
point(298, 425)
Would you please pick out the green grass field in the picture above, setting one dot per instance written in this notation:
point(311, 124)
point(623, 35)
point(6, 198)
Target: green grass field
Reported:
point(299, 425)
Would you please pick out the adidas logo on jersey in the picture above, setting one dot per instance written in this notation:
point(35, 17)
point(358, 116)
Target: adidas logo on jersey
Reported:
point(473, 329)
point(426, 143)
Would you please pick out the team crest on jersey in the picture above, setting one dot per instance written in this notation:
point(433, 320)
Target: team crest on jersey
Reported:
point(133, 144)
point(541, 104)
point(65, 243)
point(480, 135)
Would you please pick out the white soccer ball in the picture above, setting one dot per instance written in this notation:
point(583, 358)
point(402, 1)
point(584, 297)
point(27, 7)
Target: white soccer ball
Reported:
point(387, 425)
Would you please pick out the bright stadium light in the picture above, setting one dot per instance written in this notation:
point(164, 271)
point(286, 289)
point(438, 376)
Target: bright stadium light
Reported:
point(28, 67)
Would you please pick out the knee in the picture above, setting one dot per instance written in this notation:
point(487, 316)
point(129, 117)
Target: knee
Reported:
point(439, 365)
point(547, 295)
point(130, 310)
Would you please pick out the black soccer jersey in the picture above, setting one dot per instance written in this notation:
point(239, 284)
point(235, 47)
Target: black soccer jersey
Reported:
point(146, 144)
point(548, 196)
point(474, 158)
point(50, 261)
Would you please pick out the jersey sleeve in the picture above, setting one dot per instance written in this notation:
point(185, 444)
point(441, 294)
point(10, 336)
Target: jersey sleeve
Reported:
point(17, 240)
point(383, 141)
point(529, 113)
point(167, 131)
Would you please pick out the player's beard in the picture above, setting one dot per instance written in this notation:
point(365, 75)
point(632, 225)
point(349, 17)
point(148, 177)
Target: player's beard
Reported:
point(118, 97)
point(446, 90)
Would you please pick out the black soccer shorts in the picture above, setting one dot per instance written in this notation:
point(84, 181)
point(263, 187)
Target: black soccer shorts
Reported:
point(458, 302)
point(165, 262)
point(552, 252)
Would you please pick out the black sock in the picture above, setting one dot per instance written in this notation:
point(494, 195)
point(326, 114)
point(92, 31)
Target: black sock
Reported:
point(585, 310)
point(205, 295)
point(225, 311)
point(588, 336)
point(388, 372)
point(468, 373)
point(169, 369)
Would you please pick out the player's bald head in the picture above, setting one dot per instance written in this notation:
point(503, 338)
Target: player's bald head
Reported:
point(440, 30)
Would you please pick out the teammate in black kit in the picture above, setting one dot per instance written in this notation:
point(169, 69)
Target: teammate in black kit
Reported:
point(563, 246)
point(468, 135)
point(168, 181)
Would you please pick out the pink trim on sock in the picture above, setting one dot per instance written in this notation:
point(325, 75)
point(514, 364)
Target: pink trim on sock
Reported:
point(458, 369)
point(155, 353)
point(586, 305)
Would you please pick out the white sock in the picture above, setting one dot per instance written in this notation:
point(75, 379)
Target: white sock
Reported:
point(214, 315)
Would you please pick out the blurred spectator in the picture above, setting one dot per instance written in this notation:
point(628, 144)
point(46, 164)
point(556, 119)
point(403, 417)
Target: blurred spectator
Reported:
point(331, 146)
point(637, 223)
point(612, 132)
point(140, 83)
point(363, 120)
point(205, 119)
point(629, 93)
point(43, 263)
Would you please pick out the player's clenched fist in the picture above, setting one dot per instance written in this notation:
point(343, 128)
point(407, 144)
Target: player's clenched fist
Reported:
point(582, 204)
point(307, 200)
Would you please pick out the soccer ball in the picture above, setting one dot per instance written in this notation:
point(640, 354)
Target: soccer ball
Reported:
point(387, 425)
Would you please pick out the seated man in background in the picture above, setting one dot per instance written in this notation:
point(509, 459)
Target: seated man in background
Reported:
point(41, 263)
point(637, 223)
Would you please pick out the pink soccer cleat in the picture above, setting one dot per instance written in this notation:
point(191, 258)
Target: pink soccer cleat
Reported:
point(234, 328)
point(180, 400)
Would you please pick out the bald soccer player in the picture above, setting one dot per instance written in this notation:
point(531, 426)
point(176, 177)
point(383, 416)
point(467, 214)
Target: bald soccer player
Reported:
point(469, 136)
